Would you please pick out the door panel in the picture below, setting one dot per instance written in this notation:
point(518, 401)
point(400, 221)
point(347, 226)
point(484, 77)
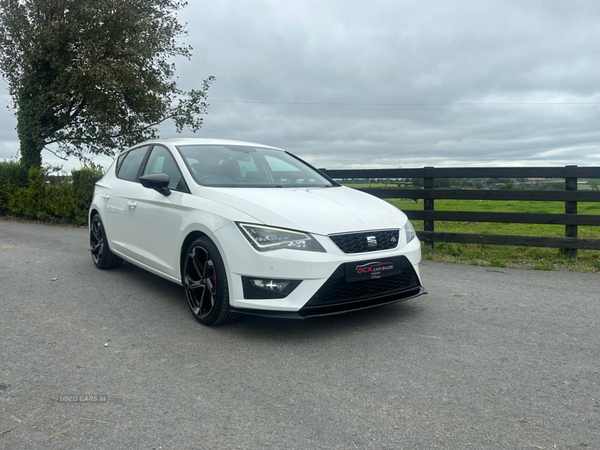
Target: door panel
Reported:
point(116, 223)
point(118, 202)
point(155, 220)
point(154, 228)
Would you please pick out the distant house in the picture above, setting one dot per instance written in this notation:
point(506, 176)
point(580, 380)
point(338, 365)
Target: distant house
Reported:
point(58, 179)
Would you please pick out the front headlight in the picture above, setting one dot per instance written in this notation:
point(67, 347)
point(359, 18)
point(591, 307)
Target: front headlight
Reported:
point(264, 238)
point(410, 232)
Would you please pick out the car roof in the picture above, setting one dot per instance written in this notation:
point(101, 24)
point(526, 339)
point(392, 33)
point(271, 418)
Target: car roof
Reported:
point(203, 141)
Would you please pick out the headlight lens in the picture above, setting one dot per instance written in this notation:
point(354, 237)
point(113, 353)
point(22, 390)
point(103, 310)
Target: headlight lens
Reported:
point(264, 238)
point(410, 232)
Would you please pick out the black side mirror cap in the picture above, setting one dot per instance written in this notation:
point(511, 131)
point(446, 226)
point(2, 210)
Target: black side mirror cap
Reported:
point(157, 181)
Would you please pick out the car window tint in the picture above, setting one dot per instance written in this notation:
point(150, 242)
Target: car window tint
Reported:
point(161, 161)
point(131, 164)
point(120, 161)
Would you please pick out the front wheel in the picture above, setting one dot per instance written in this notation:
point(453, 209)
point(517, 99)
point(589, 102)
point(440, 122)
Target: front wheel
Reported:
point(205, 282)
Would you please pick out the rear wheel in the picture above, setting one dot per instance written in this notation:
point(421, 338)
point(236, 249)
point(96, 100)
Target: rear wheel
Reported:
point(101, 255)
point(205, 282)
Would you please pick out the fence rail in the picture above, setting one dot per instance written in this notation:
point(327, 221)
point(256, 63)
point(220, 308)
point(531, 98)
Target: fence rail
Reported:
point(469, 172)
point(570, 196)
point(481, 194)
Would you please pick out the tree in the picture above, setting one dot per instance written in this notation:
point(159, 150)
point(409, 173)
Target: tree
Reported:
point(90, 76)
point(507, 187)
point(417, 182)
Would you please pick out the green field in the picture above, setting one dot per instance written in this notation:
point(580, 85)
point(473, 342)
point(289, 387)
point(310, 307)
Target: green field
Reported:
point(508, 256)
point(501, 255)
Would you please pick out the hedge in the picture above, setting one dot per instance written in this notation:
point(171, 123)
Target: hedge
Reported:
point(29, 194)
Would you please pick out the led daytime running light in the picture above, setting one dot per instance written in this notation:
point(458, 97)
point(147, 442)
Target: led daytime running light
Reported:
point(265, 238)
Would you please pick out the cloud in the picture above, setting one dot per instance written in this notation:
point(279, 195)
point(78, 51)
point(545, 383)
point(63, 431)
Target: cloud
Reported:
point(412, 83)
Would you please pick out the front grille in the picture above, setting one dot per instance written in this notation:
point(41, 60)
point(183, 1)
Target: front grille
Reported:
point(359, 242)
point(337, 290)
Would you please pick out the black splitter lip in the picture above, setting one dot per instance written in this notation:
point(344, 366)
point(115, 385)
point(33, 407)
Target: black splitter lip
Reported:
point(337, 308)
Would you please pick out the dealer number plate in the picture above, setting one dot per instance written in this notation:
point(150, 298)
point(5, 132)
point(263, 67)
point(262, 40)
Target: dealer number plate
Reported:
point(371, 270)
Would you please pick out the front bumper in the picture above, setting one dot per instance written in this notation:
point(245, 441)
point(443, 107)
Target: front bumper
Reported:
point(323, 289)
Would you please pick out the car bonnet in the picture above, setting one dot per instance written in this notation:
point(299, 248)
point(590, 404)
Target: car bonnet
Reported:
point(323, 210)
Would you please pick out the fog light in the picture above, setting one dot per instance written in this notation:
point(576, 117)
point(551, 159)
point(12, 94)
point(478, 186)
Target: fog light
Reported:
point(265, 288)
point(273, 285)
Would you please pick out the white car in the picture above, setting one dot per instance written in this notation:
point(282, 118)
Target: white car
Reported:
point(248, 228)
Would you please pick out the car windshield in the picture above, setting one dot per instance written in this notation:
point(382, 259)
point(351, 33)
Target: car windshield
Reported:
point(248, 166)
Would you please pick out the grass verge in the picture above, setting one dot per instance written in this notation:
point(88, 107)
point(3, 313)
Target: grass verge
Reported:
point(535, 258)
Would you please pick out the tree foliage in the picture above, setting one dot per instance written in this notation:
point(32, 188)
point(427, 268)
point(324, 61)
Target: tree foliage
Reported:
point(89, 76)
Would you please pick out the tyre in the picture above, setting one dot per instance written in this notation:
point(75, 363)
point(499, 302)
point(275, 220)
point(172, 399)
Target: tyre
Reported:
point(101, 255)
point(205, 280)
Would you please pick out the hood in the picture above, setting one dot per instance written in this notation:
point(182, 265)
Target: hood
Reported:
point(316, 210)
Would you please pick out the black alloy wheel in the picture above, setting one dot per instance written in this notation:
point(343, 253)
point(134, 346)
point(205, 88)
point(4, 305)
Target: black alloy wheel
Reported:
point(101, 255)
point(205, 281)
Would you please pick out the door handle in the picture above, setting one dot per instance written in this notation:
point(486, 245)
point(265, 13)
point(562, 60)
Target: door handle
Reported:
point(105, 196)
point(131, 205)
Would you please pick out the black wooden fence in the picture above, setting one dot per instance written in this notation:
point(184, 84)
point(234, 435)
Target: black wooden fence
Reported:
point(570, 196)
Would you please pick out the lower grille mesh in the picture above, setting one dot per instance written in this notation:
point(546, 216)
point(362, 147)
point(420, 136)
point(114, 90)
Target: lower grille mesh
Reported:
point(337, 290)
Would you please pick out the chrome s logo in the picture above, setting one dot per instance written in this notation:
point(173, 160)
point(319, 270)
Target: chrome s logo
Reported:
point(372, 241)
point(375, 268)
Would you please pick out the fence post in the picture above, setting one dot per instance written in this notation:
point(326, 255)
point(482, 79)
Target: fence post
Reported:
point(571, 208)
point(428, 225)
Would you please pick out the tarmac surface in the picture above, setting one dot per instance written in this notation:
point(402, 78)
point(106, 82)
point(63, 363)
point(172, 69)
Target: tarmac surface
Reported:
point(490, 359)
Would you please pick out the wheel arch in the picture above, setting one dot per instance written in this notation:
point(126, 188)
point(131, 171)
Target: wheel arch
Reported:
point(92, 213)
point(191, 237)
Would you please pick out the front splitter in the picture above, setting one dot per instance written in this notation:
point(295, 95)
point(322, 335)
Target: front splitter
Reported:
point(337, 308)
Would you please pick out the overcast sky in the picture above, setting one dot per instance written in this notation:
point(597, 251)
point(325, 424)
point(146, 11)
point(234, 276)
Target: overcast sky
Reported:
point(354, 83)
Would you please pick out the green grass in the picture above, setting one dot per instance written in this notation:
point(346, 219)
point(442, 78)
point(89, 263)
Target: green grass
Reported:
point(508, 256)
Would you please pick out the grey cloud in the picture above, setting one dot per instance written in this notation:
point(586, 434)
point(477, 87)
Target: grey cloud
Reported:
point(422, 52)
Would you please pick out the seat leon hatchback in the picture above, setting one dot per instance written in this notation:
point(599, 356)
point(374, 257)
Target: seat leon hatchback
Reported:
point(252, 229)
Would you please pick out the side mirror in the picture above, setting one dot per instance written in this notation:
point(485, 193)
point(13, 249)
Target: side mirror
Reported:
point(157, 181)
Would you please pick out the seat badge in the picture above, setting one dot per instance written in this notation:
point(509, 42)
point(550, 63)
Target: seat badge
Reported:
point(372, 241)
